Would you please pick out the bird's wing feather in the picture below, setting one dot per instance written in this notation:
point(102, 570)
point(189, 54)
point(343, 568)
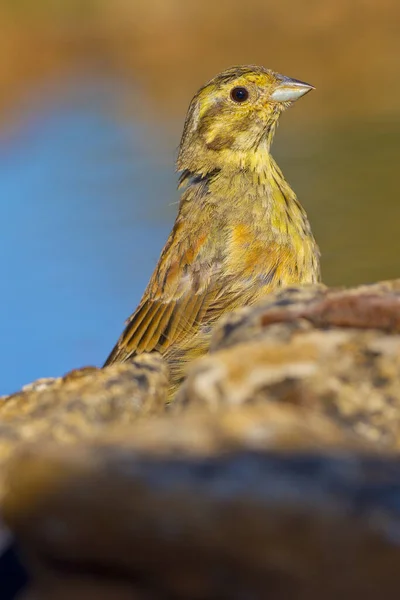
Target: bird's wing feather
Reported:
point(176, 299)
point(186, 290)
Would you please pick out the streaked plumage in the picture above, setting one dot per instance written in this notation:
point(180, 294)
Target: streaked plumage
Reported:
point(240, 230)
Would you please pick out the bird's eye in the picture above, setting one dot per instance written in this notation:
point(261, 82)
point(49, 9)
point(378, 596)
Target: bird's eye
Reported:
point(239, 94)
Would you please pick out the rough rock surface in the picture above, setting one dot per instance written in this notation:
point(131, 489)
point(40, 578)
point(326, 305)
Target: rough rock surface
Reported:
point(351, 376)
point(375, 306)
point(82, 404)
point(274, 474)
point(336, 352)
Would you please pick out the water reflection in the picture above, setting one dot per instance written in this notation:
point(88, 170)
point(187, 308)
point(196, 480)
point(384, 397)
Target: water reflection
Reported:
point(86, 205)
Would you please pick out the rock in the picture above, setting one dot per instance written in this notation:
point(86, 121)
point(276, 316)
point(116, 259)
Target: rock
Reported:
point(351, 376)
point(375, 306)
point(227, 524)
point(83, 403)
point(261, 427)
point(327, 350)
point(274, 474)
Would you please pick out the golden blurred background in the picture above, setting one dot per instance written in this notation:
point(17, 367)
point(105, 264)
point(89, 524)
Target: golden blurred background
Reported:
point(351, 50)
point(93, 94)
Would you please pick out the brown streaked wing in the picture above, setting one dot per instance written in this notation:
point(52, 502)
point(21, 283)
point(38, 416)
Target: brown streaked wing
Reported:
point(157, 325)
point(174, 301)
point(186, 293)
point(164, 324)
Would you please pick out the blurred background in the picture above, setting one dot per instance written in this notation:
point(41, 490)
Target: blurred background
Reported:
point(93, 96)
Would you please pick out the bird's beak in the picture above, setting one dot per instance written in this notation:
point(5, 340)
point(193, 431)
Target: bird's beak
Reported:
point(289, 90)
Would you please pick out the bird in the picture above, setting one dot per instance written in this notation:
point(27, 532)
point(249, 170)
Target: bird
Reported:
point(240, 231)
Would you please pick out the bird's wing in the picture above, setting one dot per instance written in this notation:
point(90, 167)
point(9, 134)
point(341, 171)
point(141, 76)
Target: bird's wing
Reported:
point(176, 299)
point(190, 286)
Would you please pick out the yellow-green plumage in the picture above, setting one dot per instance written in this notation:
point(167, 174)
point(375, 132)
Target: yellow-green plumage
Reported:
point(240, 230)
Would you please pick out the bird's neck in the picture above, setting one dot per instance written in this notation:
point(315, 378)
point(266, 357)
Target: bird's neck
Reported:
point(201, 160)
point(201, 152)
point(248, 186)
point(247, 174)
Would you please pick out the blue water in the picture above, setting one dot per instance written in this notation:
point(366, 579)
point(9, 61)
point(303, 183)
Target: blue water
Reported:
point(79, 237)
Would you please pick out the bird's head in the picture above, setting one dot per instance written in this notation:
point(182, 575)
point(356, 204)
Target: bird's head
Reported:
point(235, 113)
